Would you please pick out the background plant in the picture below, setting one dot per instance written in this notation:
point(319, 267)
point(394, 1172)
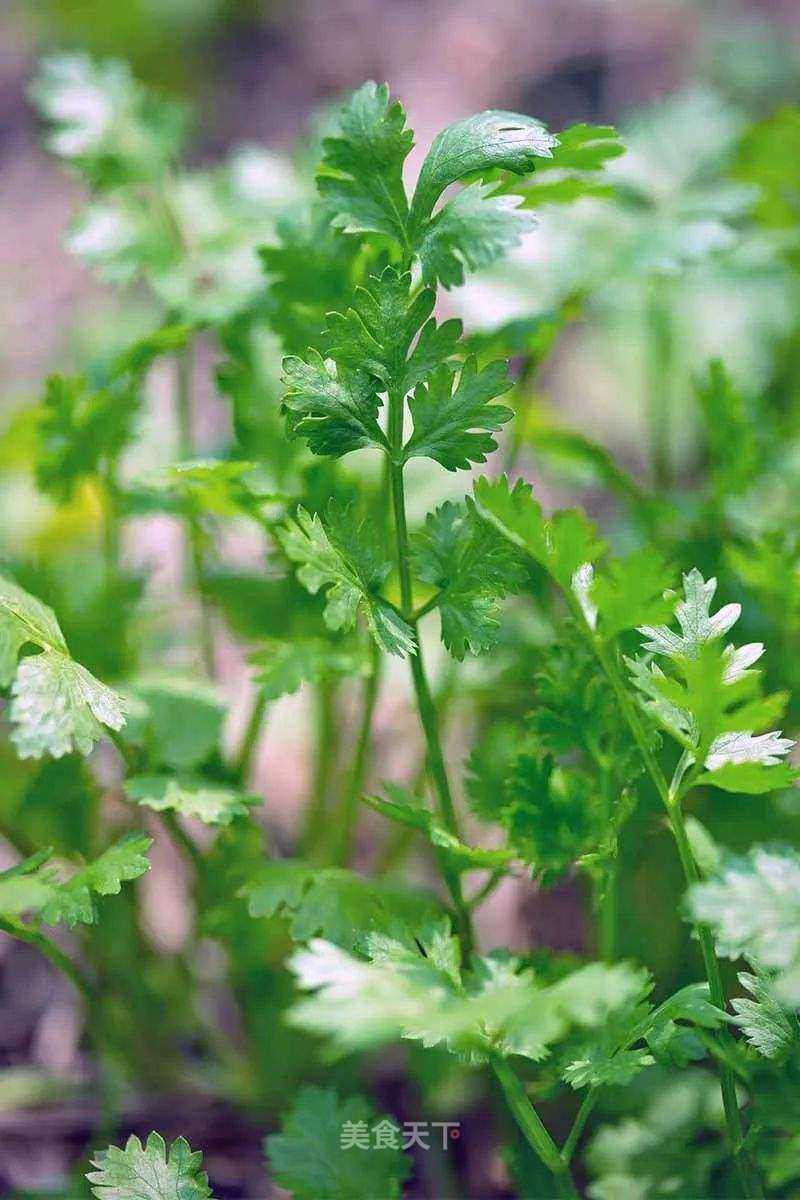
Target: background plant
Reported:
point(574, 724)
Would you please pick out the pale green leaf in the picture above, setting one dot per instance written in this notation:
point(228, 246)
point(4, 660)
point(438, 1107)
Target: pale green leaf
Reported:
point(753, 909)
point(336, 904)
point(213, 804)
point(149, 1172)
point(764, 1022)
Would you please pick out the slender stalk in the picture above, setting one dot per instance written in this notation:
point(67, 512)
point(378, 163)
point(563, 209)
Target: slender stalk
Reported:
point(182, 840)
point(486, 890)
point(243, 762)
point(52, 952)
point(323, 765)
point(609, 907)
point(747, 1175)
point(533, 1130)
point(523, 1111)
point(659, 381)
point(195, 563)
point(425, 706)
point(343, 825)
point(579, 1124)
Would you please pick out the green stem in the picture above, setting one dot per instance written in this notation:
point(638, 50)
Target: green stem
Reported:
point(659, 381)
point(533, 1130)
point(523, 1111)
point(51, 951)
point(486, 890)
point(343, 824)
point(195, 562)
point(609, 908)
point(323, 765)
point(425, 707)
point(182, 840)
point(243, 761)
point(747, 1175)
point(579, 1124)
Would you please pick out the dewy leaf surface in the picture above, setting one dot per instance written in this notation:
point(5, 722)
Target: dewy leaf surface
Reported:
point(485, 142)
point(149, 1172)
point(334, 408)
point(361, 178)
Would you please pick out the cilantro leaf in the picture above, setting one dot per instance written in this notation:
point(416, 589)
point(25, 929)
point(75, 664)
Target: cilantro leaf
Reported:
point(181, 722)
point(666, 1149)
point(361, 177)
point(50, 893)
point(282, 666)
point(310, 267)
point(375, 334)
point(212, 803)
point(471, 231)
point(753, 908)
point(104, 121)
point(764, 1022)
point(211, 487)
point(477, 145)
point(345, 556)
point(473, 568)
point(406, 809)
point(334, 408)
point(78, 429)
point(309, 1159)
point(630, 592)
point(57, 705)
point(710, 699)
point(580, 153)
point(693, 614)
point(333, 903)
point(416, 990)
point(149, 1172)
point(453, 416)
point(562, 545)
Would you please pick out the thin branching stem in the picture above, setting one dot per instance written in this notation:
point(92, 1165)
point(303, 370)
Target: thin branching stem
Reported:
point(747, 1175)
point(195, 559)
point(532, 1128)
point(343, 826)
point(524, 1113)
point(52, 952)
point(243, 762)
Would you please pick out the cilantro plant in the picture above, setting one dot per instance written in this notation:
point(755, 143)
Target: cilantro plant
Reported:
point(587, 686)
